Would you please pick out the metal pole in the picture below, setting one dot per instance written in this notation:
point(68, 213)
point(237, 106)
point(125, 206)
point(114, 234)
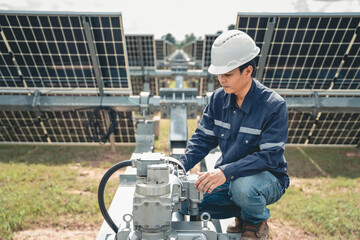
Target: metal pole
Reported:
point(265, 48)
point(94, 59)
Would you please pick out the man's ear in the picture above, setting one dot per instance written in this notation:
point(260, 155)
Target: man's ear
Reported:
point(249, 70)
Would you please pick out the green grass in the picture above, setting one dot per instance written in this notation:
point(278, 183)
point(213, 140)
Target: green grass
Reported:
point(51, 186)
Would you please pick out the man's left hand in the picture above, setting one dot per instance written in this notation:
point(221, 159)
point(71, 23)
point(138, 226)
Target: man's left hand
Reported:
point(208, 181)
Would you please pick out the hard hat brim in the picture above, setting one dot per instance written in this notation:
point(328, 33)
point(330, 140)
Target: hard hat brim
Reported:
point(219, 70)
point(213, 69)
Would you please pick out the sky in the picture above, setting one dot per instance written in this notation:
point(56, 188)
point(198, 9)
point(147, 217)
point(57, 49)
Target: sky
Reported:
point(181, 17)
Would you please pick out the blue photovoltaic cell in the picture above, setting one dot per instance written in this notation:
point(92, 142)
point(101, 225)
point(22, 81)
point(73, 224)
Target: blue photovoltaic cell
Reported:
point(307, 51)
point(51, 51)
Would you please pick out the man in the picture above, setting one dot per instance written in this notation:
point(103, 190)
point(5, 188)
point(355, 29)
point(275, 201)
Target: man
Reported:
point(249, 123)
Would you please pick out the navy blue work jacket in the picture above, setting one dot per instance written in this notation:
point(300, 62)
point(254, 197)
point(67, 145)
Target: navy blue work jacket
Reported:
point(251, 138)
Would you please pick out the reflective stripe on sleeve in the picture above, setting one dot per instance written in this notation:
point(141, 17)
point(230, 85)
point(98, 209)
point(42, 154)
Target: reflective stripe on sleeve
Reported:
point(222, 124)
point(270, 145)
point(206, 131)
point(253, 131)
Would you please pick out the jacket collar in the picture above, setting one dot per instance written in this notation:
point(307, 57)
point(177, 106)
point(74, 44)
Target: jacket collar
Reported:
point(230, 100)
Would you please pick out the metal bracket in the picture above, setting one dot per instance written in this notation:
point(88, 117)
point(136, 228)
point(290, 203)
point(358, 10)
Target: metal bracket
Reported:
point(36, 103)
point(317, 104)
point(144, 104)
point(94, 59)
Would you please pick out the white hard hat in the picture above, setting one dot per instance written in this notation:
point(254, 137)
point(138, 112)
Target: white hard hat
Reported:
point(231, 50)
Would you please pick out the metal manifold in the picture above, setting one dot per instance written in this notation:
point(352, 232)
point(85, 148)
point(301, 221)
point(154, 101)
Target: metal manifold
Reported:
point(162, 189)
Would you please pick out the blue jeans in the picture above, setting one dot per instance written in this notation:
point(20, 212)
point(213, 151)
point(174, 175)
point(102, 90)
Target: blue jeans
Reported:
point(244, 197)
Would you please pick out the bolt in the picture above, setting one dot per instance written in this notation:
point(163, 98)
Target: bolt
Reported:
point(167, 207)
point(146, 226)
point(136, 223)
point(157, 204)
point(164, 107)
point(146, 204)
point(157, 226)
point(135, 207)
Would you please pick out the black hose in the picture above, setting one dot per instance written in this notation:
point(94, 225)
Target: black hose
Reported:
point(94, 121)
point(101, 190)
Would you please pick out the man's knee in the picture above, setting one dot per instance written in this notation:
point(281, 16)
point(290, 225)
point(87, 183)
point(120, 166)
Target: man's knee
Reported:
point(242, 190)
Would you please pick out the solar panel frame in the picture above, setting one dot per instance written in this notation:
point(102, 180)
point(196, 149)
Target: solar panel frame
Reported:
point(293, 28)
point(61, 46)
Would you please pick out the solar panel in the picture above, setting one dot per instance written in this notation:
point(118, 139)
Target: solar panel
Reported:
point(138, 85)
point(58, 127)
point(336, 129)
point(141, 51)
point(305, 51)
point(55, 51)
point(160, 50)
point(324, 128)
point(199, 50)
point(300, 124)
point(170, 48)
point(189, 49)
point(206, 58)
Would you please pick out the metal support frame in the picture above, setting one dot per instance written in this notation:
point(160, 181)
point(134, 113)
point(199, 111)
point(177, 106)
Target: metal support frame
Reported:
point(94, 59)
point(145, 138)
point(265, 48)
point(163, 102)
point(178, 133)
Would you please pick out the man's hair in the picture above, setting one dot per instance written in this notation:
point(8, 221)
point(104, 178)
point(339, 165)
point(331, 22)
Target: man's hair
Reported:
point(249, 63)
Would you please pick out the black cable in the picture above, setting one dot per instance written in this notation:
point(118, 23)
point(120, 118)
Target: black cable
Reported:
point(94, 121)
point(101, 190)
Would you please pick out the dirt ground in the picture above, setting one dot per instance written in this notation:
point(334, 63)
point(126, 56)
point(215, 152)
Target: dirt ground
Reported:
point(279, 231)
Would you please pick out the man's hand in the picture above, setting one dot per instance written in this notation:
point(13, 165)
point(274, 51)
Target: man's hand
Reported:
point(208, 181)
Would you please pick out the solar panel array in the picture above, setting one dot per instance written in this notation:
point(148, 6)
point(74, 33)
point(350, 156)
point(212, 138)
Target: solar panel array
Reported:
point(306, 51)
point(51, 51)
point(189, 49)
point(62, 52)
point(170, 48)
